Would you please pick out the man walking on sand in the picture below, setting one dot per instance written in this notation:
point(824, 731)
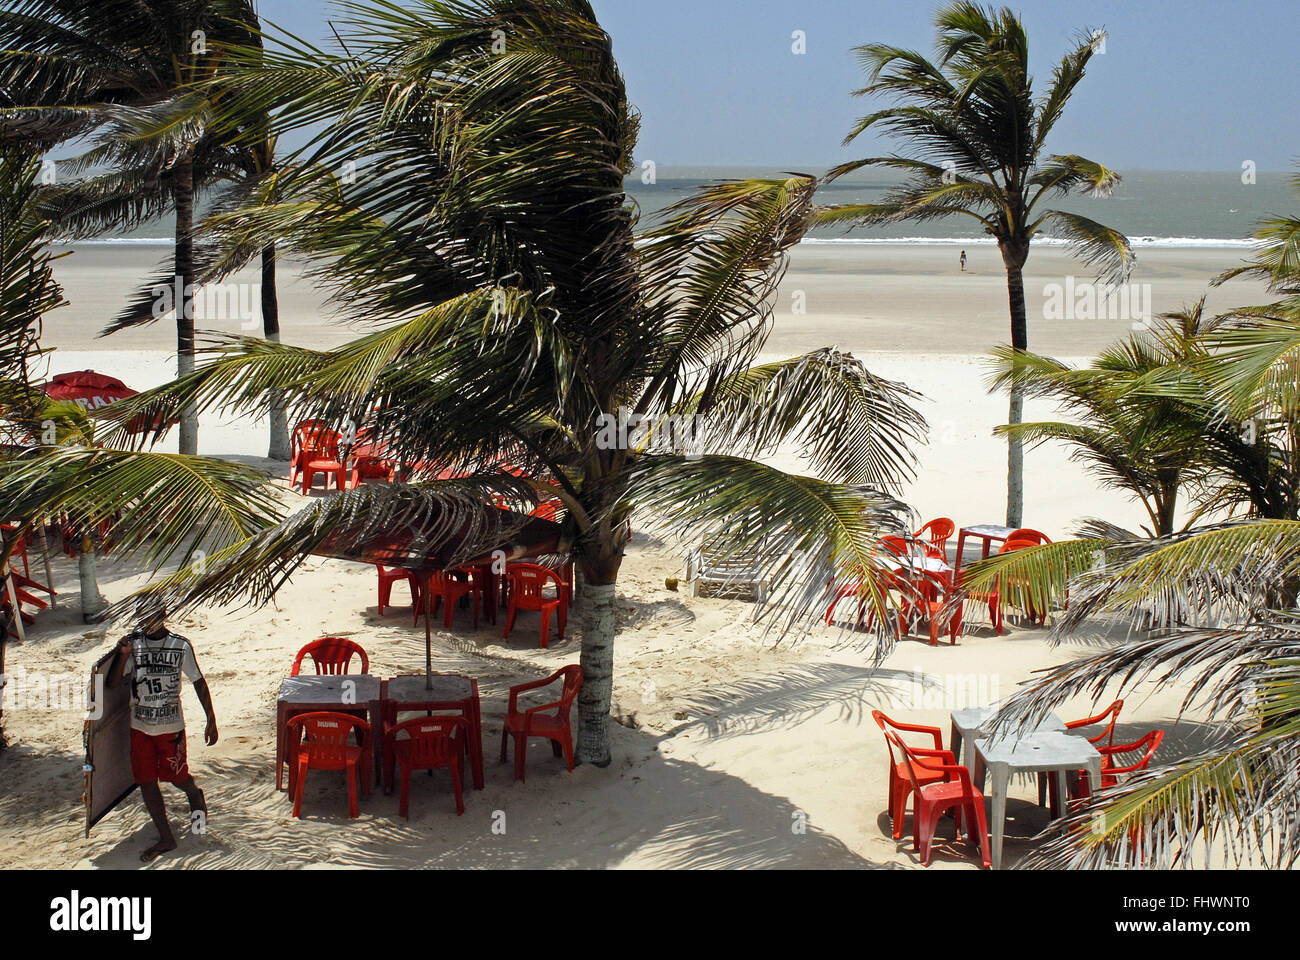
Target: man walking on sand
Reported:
point(154, 658)
point(963, 261)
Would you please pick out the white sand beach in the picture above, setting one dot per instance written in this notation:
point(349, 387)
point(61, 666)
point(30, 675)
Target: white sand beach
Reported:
point(728, 741)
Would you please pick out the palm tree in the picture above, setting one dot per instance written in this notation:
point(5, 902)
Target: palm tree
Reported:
point(114, 65)
point(1150, 446)
point(27, 287)
point(515, 312)
point(165, 508)
point(977, 136)
point(1214, 609)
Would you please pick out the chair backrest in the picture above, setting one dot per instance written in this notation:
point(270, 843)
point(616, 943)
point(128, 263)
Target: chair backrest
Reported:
point(331, 655)
point(315, 439)
point(1030, 536)
point(940, 530)
point(435, 741)
point(888, 725)
point(527, 580)
point(910, 761)
point(719, 558)
point(1108, 734)
point(572, 675)
point(462, 576)
point(1148, 745)
point(548, 509)
point(327, 736)
point(304, 430)
point(898, 546)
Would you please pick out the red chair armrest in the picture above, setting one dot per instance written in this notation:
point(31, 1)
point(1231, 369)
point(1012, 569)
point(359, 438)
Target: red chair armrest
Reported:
point(546, 706)
point(947, 756)
point(916, 728)
point(524, 687)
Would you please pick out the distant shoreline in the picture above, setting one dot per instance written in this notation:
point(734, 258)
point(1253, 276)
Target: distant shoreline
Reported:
point(1171, 243)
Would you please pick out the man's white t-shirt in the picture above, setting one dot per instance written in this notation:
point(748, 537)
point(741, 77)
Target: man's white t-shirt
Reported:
point(155, 667)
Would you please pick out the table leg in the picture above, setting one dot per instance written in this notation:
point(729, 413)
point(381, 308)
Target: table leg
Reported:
point(1062, 794)
point(961, 550)
point(476, 742)
point(1094, 775)
point(954, 743)
point(280, 744)
point(489, 592)
point(377, 738)
point(977, 767)
point(367, 748)
point(1001, 776)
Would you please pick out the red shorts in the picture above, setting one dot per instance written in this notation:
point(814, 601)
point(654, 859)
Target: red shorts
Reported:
point(160, 757)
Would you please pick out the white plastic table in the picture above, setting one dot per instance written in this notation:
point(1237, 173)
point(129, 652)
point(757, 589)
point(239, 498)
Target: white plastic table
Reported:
point(973, 724)
point(1047, 751)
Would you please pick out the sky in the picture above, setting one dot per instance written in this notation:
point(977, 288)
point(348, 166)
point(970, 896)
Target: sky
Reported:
point(1182, 84)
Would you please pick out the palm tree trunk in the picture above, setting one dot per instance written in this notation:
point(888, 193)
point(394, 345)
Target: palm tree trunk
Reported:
point(184, 191)
point(1014, 256)
point(279, 445)
point(597, 663)
point(93, 604)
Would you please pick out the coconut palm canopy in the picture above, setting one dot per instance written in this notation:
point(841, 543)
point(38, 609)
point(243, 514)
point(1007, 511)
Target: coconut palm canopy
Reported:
point(461, 192)
point(55, 461)
point(1214, 608)
point(976, 136)
point(127, 75)
point(1155, 445)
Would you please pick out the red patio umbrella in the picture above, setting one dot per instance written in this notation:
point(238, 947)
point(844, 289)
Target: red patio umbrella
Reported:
point(93, 391)
point(88, 389)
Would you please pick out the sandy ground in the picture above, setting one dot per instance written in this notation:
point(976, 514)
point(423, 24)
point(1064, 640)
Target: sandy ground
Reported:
point(731, 748)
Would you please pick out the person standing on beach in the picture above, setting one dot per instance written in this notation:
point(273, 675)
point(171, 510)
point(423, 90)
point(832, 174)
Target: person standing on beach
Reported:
point(963, 261)
point(155, 658)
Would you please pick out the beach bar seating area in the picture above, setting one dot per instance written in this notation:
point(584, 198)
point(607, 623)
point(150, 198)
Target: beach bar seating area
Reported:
point(922, 579)
point(1068, 756)
point(383, 729)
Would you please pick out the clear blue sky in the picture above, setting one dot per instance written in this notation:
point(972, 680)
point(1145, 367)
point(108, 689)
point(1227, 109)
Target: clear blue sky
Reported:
point(1183, 84)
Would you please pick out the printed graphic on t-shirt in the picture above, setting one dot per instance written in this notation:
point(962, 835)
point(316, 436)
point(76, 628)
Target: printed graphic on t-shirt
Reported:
point(155, 669)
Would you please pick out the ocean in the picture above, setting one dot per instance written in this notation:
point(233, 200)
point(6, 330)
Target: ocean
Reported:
point(1151, 207)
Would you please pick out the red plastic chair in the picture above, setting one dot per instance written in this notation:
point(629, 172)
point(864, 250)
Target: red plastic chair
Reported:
point(1045, 783)
point(397, 575)
point(319, 453)
point(1107, 734)
point(939, 532)
point(931, 801)
point(888, 582)
point(936, 606)
point(447, 588)
point(527, 583)
point(535, 722)
point(900, 785)
point(332, 655)
point(431, 743)
point(898, 546)
point(1020, 540)
point(319, 741)
point(300, 442)
point(992, 595)
point(548, 509)
point(1111, 771)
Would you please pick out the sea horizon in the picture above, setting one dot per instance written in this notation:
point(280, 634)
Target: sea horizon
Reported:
point(1153, 208)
